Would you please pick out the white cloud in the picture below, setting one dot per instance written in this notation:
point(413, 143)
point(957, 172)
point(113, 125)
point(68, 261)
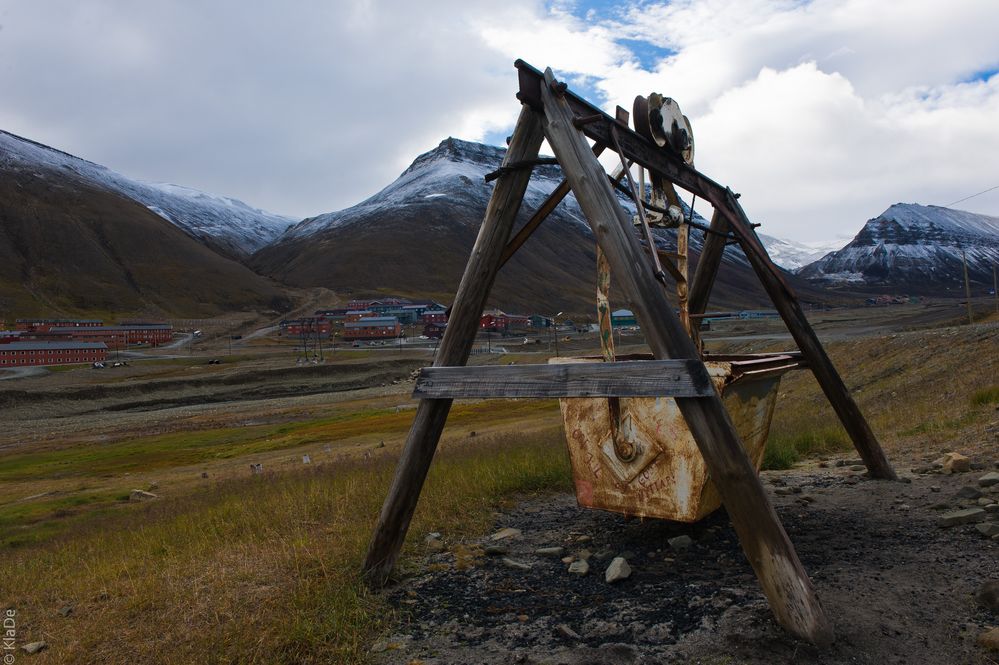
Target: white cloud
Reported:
point(822, 113)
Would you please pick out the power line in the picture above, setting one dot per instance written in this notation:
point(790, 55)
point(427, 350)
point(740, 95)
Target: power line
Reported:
point(972, 196)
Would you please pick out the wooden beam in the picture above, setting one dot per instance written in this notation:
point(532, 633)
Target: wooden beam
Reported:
point(811, 348)
point(784, 582)
point(635, 378)
point(540, 215)
point(480, 272)
point(712, 252)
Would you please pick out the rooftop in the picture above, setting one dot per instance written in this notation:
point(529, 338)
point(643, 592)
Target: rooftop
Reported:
point(52, 346)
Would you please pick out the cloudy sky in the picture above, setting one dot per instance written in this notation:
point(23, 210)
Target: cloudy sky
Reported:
point(820, 113)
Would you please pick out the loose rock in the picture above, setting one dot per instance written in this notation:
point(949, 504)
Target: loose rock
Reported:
point(580, 568)
point(989, 639)
point(508, 532)
point(496, 550)
point(966, 516)
point(516, 565)
point(554, 552)
point(954, 463)
point(989, 479)
point(617, 570)
point(968, 492)
point(34, 647)
point(564, 631)
point(141, 495)
point(988, 528)
point(680, 543)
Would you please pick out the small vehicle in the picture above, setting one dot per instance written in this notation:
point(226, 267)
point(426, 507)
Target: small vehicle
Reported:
point(97, 365)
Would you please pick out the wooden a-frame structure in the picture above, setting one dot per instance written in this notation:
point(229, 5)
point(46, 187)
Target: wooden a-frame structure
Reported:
point(551, 111)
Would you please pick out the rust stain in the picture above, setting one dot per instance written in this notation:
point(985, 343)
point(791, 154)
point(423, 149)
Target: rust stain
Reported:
point(666, 477)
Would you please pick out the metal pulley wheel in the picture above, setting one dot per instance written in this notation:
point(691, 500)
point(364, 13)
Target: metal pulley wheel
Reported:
point(659, 119)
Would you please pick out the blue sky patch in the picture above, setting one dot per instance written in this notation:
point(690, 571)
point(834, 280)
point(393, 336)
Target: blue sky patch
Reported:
point(981, 75)
point(646, 53)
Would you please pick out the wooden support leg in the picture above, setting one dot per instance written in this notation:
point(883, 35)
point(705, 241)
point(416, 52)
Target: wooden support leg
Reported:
point(811, 348)
point(480, 272)
point(787, 587)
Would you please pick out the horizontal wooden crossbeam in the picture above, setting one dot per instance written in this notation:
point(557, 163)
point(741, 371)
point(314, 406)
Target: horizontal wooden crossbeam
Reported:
point(640, 378)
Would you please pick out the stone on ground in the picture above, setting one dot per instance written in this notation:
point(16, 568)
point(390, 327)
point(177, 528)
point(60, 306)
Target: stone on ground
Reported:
point(617, 570)
point(988, 528)
point(564, 631)
point(989, 639)
point(954, 463)
point(989, 479)
point(580, 568)
point(968, 492)
point(34, 647)
point(516, 565)
point(496, 550)
point(966, 516)
point(508, 532)
point(554, 552)
point(141, 495)
point(680, 543)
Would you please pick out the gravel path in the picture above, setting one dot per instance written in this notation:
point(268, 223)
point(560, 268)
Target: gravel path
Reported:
point(898, 587)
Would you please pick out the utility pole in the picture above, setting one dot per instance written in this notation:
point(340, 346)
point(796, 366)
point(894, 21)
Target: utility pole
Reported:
point(555, 326)
point(967, 286)
point(995, 287)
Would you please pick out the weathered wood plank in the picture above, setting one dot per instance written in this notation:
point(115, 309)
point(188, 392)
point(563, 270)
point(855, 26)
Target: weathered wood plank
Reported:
point(764, 541)
point(706, 270)
point(636, 378)
point(480, 272)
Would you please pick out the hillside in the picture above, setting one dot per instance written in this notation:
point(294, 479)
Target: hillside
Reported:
point(414, 237)
point(915, 249)
point(70, 244)
point(227, 225)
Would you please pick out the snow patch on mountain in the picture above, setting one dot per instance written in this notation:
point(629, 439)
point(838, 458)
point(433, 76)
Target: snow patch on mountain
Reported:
point(215, 219)
point(792, 255)
point(914, 246)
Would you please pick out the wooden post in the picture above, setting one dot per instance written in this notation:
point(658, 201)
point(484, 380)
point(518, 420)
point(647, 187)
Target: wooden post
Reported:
point(469, 301)
point(808, 342)
point(785, 584)
point(706, 271)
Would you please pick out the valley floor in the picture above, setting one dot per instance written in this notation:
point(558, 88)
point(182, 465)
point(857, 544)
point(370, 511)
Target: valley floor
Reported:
point(226, 565)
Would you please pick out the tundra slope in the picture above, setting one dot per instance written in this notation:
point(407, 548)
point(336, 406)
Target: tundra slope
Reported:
point(227, 225)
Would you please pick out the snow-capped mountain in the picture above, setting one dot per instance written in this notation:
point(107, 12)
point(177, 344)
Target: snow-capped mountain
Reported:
point(223, 223)
point(917, 248)
point(792, 255)
point(417, 233)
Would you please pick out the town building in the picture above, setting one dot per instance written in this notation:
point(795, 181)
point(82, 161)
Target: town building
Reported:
point(373, 327)
point(151, 334)
point(41, 324)
point(307, 325)
point(623, 317)
point(19, 354)
point(355, 315)
point(434, 329)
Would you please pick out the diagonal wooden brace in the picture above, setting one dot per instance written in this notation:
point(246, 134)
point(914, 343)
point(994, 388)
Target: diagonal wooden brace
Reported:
point(782, 577)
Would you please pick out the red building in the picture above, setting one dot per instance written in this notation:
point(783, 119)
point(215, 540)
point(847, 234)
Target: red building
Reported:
point(46, 324)
point(307, 325)
point(373, 327)
point(493, 321)
point(434, 330)
point(355, 315)
point(434, 316)
point(18, 354)
point(112, 336)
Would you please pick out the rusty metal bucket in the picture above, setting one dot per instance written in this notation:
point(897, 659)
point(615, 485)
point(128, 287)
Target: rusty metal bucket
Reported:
point(635, 455)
